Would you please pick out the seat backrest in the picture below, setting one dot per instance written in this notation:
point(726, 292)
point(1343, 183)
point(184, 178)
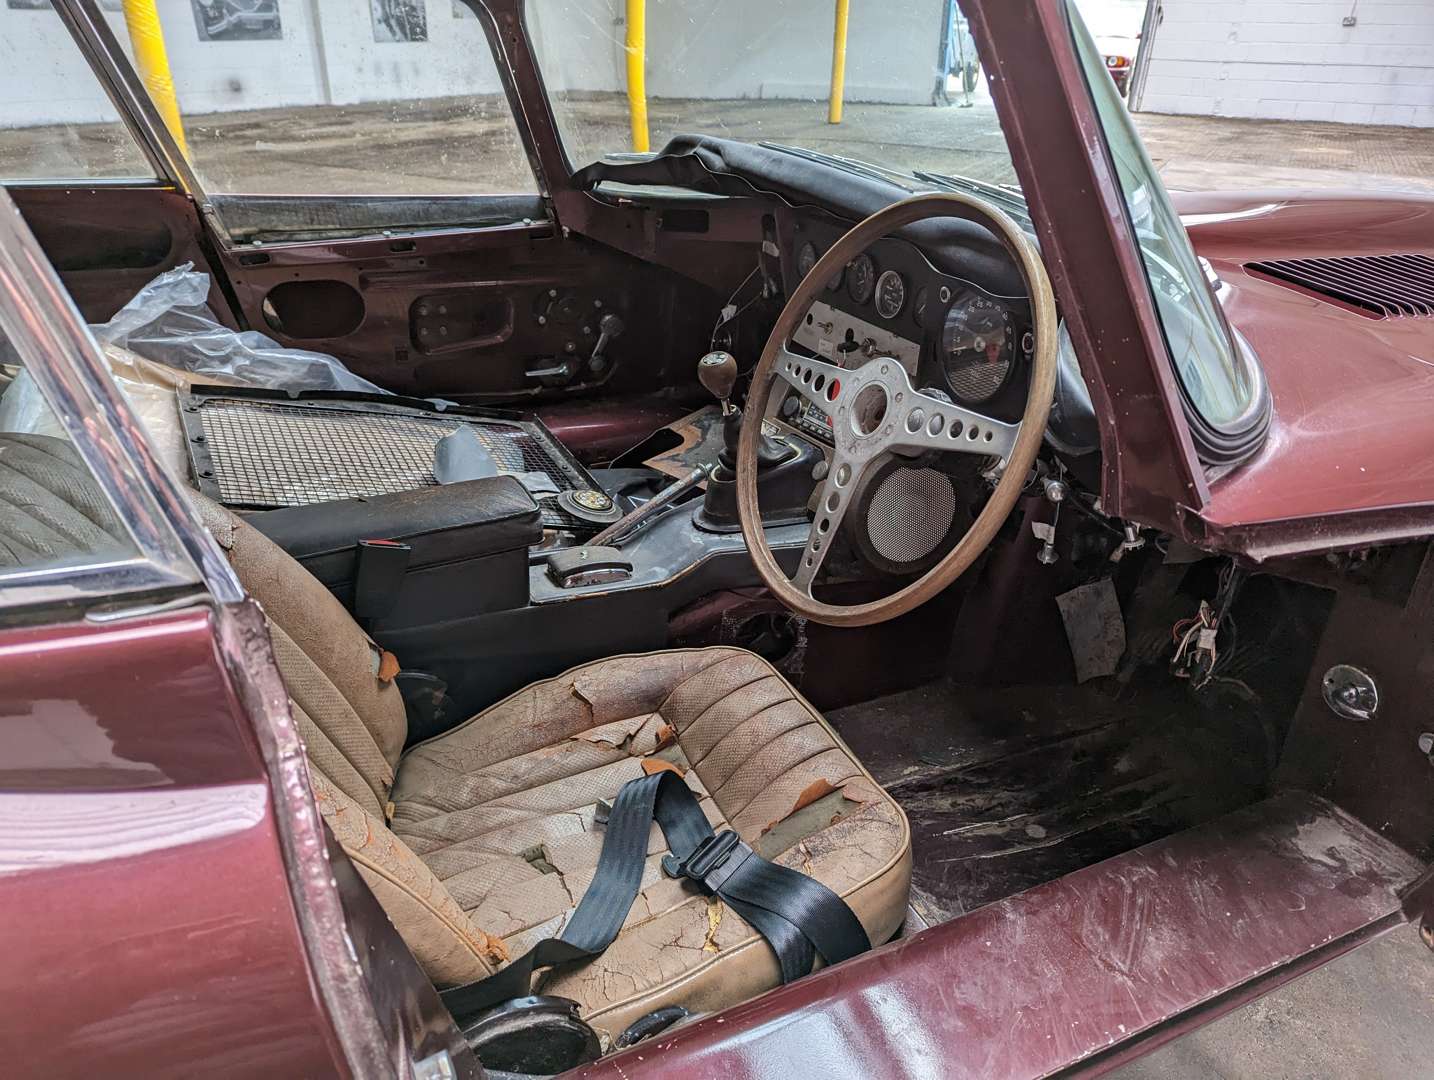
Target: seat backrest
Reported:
point(354, 726)
point(352, 721)
point(50, 508)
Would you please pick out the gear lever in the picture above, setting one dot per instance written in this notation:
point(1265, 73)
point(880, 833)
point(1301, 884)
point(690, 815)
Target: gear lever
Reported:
point(717, 371)
point(783, 467)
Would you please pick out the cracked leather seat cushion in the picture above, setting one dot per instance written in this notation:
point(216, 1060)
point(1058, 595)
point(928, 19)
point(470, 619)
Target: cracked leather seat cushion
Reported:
point(480, 842)
point(502, 808)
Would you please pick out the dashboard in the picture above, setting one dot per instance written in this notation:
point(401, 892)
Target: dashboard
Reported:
point(952, 335)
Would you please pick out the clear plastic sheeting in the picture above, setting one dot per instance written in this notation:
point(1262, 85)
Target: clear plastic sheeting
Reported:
point(169, 322)
point(165, 340)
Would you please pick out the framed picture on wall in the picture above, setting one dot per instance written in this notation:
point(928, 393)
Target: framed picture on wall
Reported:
point(399, 20)
point(237, 20)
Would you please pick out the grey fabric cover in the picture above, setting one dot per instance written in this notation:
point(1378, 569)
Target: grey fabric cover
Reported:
point(51, 510)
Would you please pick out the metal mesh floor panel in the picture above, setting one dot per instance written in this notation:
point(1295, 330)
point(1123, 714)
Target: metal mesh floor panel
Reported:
point(272, 454)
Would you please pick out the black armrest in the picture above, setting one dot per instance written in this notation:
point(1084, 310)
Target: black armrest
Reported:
point(444, 524)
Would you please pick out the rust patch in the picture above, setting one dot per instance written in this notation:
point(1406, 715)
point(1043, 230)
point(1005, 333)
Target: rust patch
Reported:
point(388, 667)
point(490, 948)
point(656, 765)
point(811, 793)
point(817, 789)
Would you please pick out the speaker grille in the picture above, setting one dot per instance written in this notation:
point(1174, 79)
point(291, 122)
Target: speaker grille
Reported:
point(910, 514)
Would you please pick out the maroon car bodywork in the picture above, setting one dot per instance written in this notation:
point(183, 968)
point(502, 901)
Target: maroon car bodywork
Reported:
point(140, 822)
point(1350, 436)
point(148, 813)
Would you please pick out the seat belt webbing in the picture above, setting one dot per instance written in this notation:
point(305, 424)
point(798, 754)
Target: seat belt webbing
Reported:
point(798, 916)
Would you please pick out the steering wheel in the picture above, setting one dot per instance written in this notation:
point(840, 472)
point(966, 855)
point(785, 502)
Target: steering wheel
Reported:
point(875, 410)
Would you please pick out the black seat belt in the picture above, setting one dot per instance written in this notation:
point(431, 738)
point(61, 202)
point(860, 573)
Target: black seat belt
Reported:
point(798, 916)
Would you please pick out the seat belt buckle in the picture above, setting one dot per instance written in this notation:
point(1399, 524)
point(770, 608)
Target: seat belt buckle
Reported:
point(711, 862)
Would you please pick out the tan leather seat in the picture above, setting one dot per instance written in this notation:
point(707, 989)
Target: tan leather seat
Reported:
point(479, 842)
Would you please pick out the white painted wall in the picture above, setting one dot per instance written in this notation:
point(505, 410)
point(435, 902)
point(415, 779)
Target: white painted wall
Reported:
point(43, 78)
point(327, 55)
point(762, 49)
point(1293, 60)
point(743, 48)
point(214, 76)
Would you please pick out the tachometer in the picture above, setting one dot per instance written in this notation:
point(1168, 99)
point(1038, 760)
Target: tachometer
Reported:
point(976, 348)
point(861, 278)
point(890, 294)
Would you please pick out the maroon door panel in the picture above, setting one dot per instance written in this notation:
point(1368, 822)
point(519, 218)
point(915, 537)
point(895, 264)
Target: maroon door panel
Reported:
point(107, 242)
point(509, 313)
point(146, 900)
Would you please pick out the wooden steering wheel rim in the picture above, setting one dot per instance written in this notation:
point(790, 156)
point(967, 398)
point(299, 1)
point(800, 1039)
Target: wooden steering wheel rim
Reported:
point(1018, 463)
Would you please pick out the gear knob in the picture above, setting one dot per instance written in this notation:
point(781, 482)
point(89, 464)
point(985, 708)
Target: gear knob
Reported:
point(717, 371)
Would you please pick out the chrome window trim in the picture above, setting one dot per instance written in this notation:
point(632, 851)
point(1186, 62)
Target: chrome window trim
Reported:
point(117, 77)
point(87, 584)
point(46, 330)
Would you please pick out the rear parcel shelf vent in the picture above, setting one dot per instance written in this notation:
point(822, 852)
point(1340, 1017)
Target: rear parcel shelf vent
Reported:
point(1390, 286)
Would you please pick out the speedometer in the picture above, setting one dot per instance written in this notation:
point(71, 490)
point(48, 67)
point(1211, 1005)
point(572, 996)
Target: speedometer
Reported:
point(976, 348)
point(890, 294)
point(861, 278)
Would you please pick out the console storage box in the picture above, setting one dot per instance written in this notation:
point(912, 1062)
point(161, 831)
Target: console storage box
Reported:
point(451, 551)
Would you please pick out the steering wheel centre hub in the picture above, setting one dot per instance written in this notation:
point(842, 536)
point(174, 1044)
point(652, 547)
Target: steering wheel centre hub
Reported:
point(869, 407)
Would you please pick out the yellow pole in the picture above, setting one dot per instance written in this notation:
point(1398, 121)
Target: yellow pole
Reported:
point(838, 63)
point(636, 71)
point(147, 37)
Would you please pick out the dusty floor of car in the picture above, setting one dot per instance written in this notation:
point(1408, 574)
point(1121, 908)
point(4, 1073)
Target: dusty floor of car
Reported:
point(1008, 787)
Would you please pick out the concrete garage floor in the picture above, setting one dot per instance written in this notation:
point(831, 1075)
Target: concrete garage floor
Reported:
point(467, 145)
point(1369, 1014)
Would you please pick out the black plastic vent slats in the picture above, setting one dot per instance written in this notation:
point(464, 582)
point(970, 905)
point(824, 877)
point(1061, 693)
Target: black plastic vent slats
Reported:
point(1390, 286)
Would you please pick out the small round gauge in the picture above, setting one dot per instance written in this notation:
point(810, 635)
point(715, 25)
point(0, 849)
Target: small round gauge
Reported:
point(806, 259)
point(976, 348)
point(918, 307)
point(890, 294)
point(861, 278)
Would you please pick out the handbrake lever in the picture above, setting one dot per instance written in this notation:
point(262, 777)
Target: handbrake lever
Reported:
point(599, 560)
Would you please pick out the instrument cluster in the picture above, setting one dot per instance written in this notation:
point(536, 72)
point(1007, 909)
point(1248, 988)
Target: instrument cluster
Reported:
point(951, 334)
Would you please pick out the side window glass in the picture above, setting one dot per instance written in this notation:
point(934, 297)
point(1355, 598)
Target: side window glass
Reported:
point(52, 511)
point(56, 123)
point(362, 98)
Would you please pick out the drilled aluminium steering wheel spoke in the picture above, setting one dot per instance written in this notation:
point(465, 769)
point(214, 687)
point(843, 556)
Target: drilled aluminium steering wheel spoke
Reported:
point(835, 496)
point(928, 423)
point(815, 380)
